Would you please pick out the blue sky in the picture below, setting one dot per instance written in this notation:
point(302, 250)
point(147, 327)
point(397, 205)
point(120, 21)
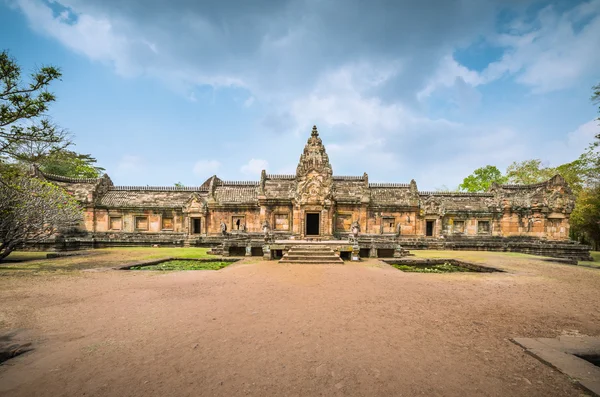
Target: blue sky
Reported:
point(161, 92)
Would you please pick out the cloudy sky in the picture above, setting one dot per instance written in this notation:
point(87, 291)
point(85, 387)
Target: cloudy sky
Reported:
point(167, 91)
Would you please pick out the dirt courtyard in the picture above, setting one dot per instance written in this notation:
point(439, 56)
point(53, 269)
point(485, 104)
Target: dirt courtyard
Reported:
point(262, 328)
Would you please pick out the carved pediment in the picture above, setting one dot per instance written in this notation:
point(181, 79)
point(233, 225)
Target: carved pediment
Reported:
point(314, 188)
point(314, 173)
point(195, 204)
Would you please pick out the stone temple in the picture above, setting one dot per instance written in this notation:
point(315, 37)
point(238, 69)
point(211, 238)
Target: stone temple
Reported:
point(357, 218)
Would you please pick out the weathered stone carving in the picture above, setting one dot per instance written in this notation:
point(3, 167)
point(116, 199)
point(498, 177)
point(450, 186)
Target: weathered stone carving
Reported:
point(538, 211)
point(314, 174)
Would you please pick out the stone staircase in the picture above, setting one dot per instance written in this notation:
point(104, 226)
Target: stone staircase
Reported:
point(189, 242)
point(311, 254)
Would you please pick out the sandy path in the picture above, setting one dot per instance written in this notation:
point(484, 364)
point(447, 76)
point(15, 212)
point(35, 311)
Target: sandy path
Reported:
point(260, 328)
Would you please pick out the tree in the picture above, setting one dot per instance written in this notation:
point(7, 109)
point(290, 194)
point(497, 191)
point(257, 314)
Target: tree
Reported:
point(481, 179)
point(179, 184)
point(596, 99)
point(22, 107)
point(65, 163)
point(585, 218)
point(26, 135)
point(32, 210)
point(528, 172)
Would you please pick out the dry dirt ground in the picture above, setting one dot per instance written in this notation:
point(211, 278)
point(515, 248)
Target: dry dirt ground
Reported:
point(261, 328)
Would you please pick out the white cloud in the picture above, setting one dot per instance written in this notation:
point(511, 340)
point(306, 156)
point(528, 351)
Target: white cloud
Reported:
point(356, 78)
point(249, 101)
point(556, 54)
point(95, 37)
point(576, 142)
point(206, 168)
point(447, 74)
point(254, 167)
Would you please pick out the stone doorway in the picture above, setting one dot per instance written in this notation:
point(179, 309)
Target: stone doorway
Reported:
point(429, 228)
point(313, 221)
point(196, 226)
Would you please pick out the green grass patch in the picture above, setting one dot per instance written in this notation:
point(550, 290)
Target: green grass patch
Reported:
point(595, 255)
point(26, 255)
point(441, 268)
point(184, 265)
point(156, 253)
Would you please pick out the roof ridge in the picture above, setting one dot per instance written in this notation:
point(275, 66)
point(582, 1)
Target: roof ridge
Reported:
point(384, 184)
point(349, 177)
point(61, 178)
point(160, 188)
point(281, 176)
point(454, 193)
point(238, 183)
point(523, 186)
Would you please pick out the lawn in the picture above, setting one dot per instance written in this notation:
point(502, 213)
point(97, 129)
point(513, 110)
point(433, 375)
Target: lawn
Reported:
point(17, 256)
point(596, 255)
point(98, 258)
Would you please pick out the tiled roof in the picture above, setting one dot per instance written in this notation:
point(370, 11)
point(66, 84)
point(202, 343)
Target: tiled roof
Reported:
point(282, 188)
point(400, 195)
point(145, 198)
point(348, 189)
point(227, 194)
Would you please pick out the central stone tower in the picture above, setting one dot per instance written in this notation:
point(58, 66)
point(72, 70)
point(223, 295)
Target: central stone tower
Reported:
point(314, 189)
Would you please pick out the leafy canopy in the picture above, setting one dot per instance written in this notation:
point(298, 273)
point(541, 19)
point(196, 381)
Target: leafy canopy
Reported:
point(26, 134)
point(482, 178)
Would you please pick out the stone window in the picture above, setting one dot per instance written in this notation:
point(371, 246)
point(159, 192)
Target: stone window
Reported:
point(343, 222)
point(237, 222)
point(483, 226)
point(459, 227)
point(389, 225)
point(167, 223)
point(141, 223)
point(282, 222)
point(116, 223)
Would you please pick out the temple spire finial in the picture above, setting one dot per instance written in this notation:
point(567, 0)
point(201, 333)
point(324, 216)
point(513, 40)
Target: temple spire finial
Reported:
point(314, 131)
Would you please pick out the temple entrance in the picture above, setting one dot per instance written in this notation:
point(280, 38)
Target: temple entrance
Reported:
point(196, 226)
point(312, 224)
point(429, 228)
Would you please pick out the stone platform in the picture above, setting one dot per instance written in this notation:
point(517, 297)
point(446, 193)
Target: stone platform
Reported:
point(316, 254)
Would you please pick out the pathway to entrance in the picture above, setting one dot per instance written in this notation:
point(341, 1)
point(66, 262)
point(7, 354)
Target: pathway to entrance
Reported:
point(267, 329)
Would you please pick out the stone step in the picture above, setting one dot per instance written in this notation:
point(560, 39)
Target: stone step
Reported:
point(333, 260)
point(311, 254)
point(309, 248)
point(311, 258)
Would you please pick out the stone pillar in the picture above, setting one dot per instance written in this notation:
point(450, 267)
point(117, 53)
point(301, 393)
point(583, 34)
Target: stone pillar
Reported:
point(249, 250)
point(355, 256)
point(267, 252)
point(373, 252)
point(363, 219)
point(398, 252)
